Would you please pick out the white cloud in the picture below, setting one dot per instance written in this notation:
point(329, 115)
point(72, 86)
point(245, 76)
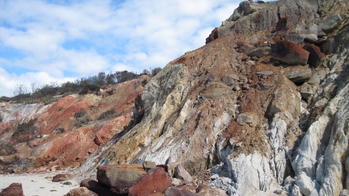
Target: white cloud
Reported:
point(133, 35)
point(9, 82)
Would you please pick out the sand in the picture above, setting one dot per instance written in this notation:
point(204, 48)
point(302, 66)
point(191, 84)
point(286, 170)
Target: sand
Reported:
point(38, 184)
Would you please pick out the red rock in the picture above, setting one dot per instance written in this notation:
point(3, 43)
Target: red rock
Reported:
point(82, 191)
point(157, 181)
point(61, 177)
point(315, 54)
point(120, 178)
point(15, 189)
point(290, 53)
point(176, 192)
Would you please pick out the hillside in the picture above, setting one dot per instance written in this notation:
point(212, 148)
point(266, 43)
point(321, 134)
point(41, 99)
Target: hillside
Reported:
point(261, 109)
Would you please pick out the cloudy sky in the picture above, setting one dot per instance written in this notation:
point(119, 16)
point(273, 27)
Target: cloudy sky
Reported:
point(46, 41)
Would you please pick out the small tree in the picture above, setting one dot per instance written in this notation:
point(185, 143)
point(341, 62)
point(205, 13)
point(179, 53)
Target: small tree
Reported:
point(20, 90)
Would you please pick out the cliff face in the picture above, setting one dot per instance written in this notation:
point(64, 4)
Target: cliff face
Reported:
point(261, 109)
point(39, 137)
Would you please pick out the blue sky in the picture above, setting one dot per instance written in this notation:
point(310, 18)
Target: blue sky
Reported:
point(53, 41)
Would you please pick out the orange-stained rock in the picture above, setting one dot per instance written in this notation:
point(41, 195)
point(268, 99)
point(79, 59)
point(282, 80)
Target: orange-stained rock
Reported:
point(157, 181)
point(120, 178)
point(108, 130)
point(290, 53)
point(15, 189)
point(68, 148)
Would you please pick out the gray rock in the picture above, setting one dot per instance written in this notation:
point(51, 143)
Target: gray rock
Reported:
point(298, 74)
point(331, 23)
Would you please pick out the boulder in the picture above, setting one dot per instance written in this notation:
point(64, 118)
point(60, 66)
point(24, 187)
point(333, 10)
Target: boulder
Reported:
point(290, 53)
point(176, 192)
point(315, 55)
point(298, 74)
point(210, 191)
point(82, 191)
point(120, 178)
point(286, 99)
point(157, 181)
point(182, 174)
point(61, 177)
point(15, 189)
point(95, 187)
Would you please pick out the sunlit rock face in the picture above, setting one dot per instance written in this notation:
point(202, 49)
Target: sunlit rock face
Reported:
point(261, 109)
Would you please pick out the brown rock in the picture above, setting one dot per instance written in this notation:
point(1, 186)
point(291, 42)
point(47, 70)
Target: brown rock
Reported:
point(210, 191)
point(315, 54)
point(157, 181)
point(286, 99)
point(15, 189)
point(290, 53)
point(120, 178)
point(82, 191)
point(95, 187)
point(182, 174)
point(176, 192)
point(61, 177)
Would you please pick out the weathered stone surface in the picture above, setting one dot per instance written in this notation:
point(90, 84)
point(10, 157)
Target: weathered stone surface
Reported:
point(298, 74)
point(290, 53)
point(61, 177)
point(331, 23)
point(157, 181)
point(249, 119)
point(120, 178)
point(177, 192)
point(82, 191)
point(210, 191)
point(181, 173)
point(15, 189)
point(149, 165)
point(286, 99)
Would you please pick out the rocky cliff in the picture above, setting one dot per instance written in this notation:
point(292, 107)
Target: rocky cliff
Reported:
point(261, 109)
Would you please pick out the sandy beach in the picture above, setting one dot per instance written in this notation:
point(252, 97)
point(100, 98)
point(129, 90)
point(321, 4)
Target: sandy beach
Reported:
point(38, 184)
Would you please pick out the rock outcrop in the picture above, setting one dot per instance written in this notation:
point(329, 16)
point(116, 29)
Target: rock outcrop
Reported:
point(261, 109)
